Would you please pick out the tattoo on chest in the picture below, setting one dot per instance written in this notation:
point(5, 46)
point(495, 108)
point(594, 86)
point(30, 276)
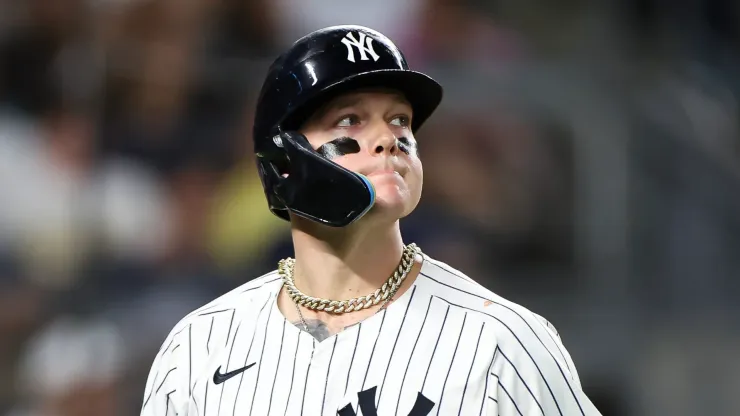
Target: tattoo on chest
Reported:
point(318, 329)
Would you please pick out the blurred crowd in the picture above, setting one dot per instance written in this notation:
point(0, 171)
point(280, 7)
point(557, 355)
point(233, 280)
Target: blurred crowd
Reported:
point(585, 163)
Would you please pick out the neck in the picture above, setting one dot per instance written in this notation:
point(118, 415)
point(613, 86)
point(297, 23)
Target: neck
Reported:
point(340, 264)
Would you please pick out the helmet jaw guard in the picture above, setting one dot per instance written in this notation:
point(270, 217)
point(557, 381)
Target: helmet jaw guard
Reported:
point(312, 186)
point(318, 67)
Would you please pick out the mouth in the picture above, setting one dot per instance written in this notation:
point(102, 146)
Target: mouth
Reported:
point(384, 172)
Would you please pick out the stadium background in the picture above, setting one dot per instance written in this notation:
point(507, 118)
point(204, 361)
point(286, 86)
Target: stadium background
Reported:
point(585, 163)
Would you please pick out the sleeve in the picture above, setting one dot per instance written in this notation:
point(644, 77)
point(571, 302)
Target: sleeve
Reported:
point(555, 336)
point(535, 376)
point(167, 391)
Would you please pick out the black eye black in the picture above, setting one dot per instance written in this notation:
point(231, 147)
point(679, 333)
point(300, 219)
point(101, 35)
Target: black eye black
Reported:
point(407, 146)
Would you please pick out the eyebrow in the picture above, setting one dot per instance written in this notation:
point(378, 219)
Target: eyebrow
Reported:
point(336, 104)
point(400, 99)
point(343, 102)
point(351, 101)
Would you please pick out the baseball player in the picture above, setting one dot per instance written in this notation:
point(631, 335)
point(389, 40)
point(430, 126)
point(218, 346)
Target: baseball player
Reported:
point(359, 322)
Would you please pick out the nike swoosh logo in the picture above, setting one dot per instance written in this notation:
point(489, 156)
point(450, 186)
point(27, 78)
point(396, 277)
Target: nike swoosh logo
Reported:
point(219, 378)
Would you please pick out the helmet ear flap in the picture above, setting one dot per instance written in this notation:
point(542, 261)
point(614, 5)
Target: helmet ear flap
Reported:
point(280, 164)
point(282, 175)
point(298, 179)
point(273, 166)
point(279, 155)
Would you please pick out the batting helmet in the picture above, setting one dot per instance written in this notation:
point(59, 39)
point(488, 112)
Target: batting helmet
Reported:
point(317, 68)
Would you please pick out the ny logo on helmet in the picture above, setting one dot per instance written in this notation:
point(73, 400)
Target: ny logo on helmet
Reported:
point(364, 45)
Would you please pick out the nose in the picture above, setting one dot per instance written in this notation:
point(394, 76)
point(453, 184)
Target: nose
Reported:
point(385, 142)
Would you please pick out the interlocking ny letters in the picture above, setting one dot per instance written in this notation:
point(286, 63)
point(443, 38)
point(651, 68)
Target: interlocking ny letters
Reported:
point(366, 402)
point(364, 45)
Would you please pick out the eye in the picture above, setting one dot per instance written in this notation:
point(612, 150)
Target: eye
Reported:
point(401, 121)
point(348, 121)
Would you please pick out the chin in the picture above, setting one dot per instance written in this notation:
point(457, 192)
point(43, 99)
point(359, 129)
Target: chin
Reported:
point(394, 198)
point(392, 207)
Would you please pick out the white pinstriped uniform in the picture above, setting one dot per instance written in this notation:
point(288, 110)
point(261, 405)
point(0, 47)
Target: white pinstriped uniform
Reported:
point(447, 346)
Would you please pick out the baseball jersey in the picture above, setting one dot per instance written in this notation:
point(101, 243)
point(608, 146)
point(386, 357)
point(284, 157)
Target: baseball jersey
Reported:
point(447, 346)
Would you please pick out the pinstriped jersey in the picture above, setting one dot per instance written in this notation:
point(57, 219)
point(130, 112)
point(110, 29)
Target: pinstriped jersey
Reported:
point(447, 346)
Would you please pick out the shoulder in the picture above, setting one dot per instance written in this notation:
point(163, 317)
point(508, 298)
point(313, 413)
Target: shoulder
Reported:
point(523, 352)
point(511, 322)
point(239, 301)
point(521, 336)
point(199, 336)
point(460, 290)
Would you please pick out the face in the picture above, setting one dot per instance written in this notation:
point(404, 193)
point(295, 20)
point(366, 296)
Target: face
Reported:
point(369, 132)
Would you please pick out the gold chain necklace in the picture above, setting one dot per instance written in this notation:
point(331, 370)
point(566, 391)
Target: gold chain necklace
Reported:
point(383, 294)
point(305, 324)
